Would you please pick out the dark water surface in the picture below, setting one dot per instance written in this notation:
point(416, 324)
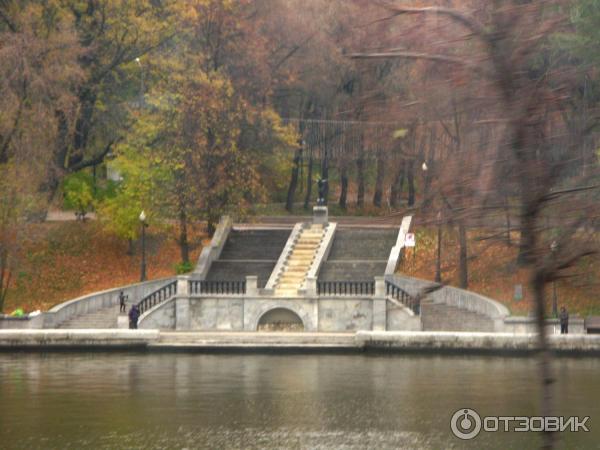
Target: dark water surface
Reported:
point(186, 401)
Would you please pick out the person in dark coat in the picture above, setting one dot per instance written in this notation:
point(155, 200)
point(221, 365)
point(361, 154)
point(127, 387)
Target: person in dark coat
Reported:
point(134, 315)
point(564, 321)
point(122, 298)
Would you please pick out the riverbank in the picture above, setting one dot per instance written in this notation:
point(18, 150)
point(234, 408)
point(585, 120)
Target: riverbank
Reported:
point(361, 341)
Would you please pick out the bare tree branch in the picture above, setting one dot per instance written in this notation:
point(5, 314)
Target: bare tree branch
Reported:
point(417, 55)
point(7, 21)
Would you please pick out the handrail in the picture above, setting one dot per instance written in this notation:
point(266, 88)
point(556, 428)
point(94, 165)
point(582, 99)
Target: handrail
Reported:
point(346, 288)
point(397, 293)
point(204, 287)
point(396, 251)
point(212, 252)
point(284, 255)
point(158, 296)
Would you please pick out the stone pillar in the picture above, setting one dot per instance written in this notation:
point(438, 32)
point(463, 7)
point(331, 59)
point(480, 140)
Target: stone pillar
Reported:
point(311, 286)
point(251, 286)
point(320, 215)
point(182, 304)
point(122, 322)
point(380, 287)
point(379, 305)
point(183, 286)
point(379, 314)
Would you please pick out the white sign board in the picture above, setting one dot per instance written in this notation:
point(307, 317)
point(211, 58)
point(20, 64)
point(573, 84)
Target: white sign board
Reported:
point(410, 240)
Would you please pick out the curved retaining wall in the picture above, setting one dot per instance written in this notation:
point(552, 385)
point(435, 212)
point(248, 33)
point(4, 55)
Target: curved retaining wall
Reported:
point(456, 297)
point(98, 300)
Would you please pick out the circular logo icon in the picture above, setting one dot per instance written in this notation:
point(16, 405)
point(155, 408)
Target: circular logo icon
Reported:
point(465, 424)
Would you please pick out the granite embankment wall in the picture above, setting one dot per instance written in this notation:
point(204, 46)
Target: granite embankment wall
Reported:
point(400, 342)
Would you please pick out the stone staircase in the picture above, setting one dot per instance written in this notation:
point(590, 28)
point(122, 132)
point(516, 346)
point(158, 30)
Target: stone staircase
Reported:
point(348, 270)
point(297, 265)
point(358, 254)
point(103, 318)
point(249, 252)
point(442, 317)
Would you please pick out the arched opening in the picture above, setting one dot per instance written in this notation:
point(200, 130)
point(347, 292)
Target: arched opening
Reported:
point(280, 319)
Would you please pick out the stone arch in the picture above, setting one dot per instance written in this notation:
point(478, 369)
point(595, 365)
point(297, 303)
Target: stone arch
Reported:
point(280, 319)
point(305, 309)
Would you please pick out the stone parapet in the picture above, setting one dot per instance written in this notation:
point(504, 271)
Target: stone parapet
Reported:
point(213, 251)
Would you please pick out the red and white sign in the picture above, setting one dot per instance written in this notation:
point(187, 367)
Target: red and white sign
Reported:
point(410, 240)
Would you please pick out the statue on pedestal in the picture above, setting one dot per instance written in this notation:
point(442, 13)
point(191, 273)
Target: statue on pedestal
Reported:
point(323, 186)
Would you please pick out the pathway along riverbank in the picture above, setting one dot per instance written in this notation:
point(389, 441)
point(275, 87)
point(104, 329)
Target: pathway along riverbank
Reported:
point(361, 341)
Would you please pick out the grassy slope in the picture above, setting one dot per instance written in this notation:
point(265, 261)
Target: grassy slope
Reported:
point(63, 260)
point(493, 273)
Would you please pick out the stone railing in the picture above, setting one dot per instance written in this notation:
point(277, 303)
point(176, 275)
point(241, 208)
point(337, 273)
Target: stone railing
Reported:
point(214, 287)
point(346, 288)
point(400, 295)
point(213, 250)
point(396, 252)
point(160, 295)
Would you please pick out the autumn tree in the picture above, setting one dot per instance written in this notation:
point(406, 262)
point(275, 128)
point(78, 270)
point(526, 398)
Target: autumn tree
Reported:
point(510, 36)
point(39, 51)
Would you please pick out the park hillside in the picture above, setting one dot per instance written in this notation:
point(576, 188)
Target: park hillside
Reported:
point(479, 120)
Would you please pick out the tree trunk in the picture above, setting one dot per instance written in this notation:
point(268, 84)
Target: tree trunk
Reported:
point(411, 182)
point(463, 262)
point(378, 196)
point(5, 276)
point(527, 239)
point(184, 245)
point(325, 176)
point(397, 186)
point(289, 204)
point(344, 187)
point(309, 182)
point(130, 247)
point(545, 356)
point(360, 166)
point(507, 215)
point(438, 259)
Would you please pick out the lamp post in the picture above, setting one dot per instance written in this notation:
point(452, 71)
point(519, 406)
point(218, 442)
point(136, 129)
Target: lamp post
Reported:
point(144, 225)
point(553, 248)
point(438, 260)
point(137, 60)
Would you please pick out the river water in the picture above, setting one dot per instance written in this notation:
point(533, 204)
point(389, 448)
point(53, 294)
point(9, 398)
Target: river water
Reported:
point(186, 401)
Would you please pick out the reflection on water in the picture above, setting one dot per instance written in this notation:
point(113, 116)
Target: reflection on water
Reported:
point(166, 401)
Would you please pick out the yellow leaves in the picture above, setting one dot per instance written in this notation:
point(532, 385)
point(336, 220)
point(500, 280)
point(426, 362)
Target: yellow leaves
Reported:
point(400, 133)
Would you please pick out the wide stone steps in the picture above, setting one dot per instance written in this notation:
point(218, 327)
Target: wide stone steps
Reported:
point(442, 317)
point(299, 261)
point(249, 252)
point(254, 244)
point(362, 244)
point(103, 318)
point(351, 270)
point(238, 270)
